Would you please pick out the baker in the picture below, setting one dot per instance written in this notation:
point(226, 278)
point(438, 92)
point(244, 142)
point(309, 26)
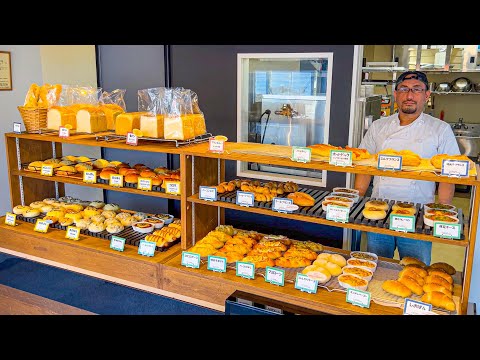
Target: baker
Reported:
point(409, 129)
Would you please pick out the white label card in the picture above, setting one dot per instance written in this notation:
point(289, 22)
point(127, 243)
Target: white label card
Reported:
point(132, 139)
point(301, 154)
point(41, 226)
point(10, 219)
point(414, 307)
point(190, 259)
point(63, 132)
point(144, 184)
point(275, 276)
point(17, 127)
point(447, 230)
point(281, 204)
point(217, 263)
point(273, 309)
point(116, 180)
point(455, 168)
point(337, 213)
point(340, 158)
point(208, 193)
point(304, 283)
point(245, 269)
point(389, 162)
point(147, 248)
point(172, 187)
point(402, 223)
point(47, 170)
point(245, 198)
point(72, 233)
point(90, 176)
point(216, 145)
point(117, 243)
point(358, 297)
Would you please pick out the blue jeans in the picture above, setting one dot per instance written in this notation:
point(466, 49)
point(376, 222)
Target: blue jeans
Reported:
point(384, 245)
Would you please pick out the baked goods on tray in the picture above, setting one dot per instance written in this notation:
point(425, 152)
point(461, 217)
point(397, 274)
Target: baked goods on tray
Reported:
point(409, 158)
point(437, 160)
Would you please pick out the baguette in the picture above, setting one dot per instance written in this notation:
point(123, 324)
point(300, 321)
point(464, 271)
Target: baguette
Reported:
point(439, 299)
point(435, 287)
point(441, 274)
point(411, 260)
point(438, 280)
point(411, 284)
point(396, 288)
point(449, 269)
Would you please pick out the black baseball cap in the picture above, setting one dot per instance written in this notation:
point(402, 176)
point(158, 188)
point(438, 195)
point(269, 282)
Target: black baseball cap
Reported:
point(407, 75)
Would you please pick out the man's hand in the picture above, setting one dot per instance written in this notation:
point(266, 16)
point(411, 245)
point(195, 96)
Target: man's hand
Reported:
point(362, 182)
point(445, 193)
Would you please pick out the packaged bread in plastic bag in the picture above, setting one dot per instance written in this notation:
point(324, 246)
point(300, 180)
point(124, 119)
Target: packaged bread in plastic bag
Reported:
point(155, 102)
point(90, 117)
point(112, 104)
point(177, 126)
point(199, 126)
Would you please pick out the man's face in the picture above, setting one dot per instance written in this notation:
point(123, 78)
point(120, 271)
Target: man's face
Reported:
point(411, 96)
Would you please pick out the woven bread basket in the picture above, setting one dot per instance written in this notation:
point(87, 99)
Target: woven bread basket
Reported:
point(34, 118)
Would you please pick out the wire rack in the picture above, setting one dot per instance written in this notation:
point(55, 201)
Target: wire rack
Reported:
point(195, 140)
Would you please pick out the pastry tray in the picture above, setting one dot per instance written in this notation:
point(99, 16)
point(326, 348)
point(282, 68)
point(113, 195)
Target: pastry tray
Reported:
point(195, 140)
point(157, 188)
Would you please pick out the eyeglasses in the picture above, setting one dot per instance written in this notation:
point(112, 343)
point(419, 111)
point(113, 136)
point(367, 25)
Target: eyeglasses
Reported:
point(405, 90)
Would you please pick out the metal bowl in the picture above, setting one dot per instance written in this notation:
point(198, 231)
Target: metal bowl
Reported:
point(461, 84)
point(442, 87)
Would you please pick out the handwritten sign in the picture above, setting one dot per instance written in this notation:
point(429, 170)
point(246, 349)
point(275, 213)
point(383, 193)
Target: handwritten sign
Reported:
point(47, 170)
point(17, 127)
point(172, 187)
point(301, 154)
point(132, 139)
point(304, 283)
point(402, 223)
point(340, 158)
point(63, 132)
point(208, 193)
point(144, 184)
point(90, 176)
point(41, 226)
point(448, 230)
point(217, 263)
point(245, 198)
point(245, 270)
point(389, 162)
point(190, 259)
point(72, 233)
point(358, 297)
point(216, 146)
point(116, 180)
point(282, 204)
point(458, 168)
point(117, 243)
point(147, 248)
point(414, 307)
point(10, 219)
point(275, 276)
point(337, 213)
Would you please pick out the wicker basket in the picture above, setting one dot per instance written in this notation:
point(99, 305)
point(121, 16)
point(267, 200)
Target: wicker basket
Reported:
point(34, 118)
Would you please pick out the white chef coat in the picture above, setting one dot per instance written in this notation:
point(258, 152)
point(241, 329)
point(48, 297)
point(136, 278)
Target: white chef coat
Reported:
point(426, 136)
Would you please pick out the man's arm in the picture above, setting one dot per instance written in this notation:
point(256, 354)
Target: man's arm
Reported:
point(362, 182)
point(445, 192)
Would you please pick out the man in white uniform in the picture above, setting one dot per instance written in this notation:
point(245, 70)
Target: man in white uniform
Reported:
point(409, 129)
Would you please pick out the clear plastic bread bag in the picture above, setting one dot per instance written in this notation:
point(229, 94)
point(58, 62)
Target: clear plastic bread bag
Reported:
point(199, 125)
point(112, 104)
point(178, 123)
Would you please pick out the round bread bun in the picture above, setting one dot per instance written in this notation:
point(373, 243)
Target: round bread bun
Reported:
point(49, 201)
point(379, 204)
point(105, 175)
point(374, 213)
point(109, 214)
point(123, 170)
point(407, 260)
point(114, 228)
point(139, 166)
point(333, 268)
point(338, 259)
point(113, 207)
point(64, 221)
point(37, 204)
point(97, 204)
point(156, 180)
point(335, 203)
point(404, 206)
point(320, 262)
point(46, 208)
point(147, 173)
point(31, 213)
point(82, 223)
point(404, 212)
point(20, 209)
point(324, 255)
point(131, 178)
point(127, 221)
point(50, 219)
point(123, 215)
point(96, 227)
point(98, 218)
point(318, 273)
point(73, 207)
point(111, 221)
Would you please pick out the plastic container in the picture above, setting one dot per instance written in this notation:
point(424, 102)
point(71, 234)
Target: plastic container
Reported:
point(366, 264)
point(352, 281)
point(341, 199)
point(358, 271)
point(346, 190)
point(363, 255)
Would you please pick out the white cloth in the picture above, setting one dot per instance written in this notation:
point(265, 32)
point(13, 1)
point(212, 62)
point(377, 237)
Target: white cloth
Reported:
point(426, 136)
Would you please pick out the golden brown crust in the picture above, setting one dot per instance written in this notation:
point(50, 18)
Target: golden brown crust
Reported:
point(292, 262)
point(378, 204)
point(441, 273)
point(396, 288)
point(439, 299)
point(306, 253)
point(437, 160)
point(259, 261)
point(231, 256)
point(409, 272)
point(301, 199)
point(407, 260)
point(409, 158)
point(449, 269)
point(374, 213)
point(410, 283)
point(437, 287)
point(323, 149)
point(434, 279)
point(418, 270)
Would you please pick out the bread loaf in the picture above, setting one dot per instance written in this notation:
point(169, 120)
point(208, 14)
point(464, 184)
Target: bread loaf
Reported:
point(396, 288)
point(449, 269)
point(406, 260)
point(60, 116)
point(439, 299)
point(438, 280)
point(126, 122)
point(152, 126)
point(410, 283)
point(111, 112)
point(178, 128)
point(91, 121)
point(436, 287)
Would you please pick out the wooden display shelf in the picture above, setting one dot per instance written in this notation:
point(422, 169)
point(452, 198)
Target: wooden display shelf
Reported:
point(88, 253)
point(236, 151)
point(194, 198)
point(79, 181)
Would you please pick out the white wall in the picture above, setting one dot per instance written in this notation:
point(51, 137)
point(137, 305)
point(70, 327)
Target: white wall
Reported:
point(26, 69)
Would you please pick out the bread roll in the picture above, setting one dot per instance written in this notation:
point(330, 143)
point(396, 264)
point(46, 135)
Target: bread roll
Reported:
point(317, 273)
point(413, 275)
point(436, 287)
point(379, 204)
point(419, 271)
point(441, 274)
point(321, 262)
point(131, 178)
point(31, 213)
point(410, 283)
point(374, 213)
point(404, 206)
point(325, 256)
point(333, 268)
point(449, 269)
point(406, 260)
point(438, 280)
point(301, 199)
point(338, 259)
point(439, 299)
point(20, 209)
point(396, 288)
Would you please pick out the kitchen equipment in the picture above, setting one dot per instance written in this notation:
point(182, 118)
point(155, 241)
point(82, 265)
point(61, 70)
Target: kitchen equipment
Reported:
point(462, 84)
point(443, 87)
point(468, 138)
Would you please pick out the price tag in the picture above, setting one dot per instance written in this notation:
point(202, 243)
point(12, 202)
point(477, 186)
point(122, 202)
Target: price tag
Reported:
point(389, 162)
point(414, 307)
point(216, 146)
point(244, 302)
point(273, 309)
point(208, 193)
point(10, 219)
point(304, 283)
point(340, 158)
point(72, 233)
point(144, 184)
point(245, 270)
point(63, 132)
point(190, 259)
point(282, 204)
point(447, 230)
point(47, 170)
point(337, 213)
point(358, 297)
point(90, 176)
point(116, 180)
point(117, 243)
point(41, 226)
point(274, 276)
point(245, 198)
point(458, 168)
point(132, 139)
point(301, 154)
point(147, 248)
point(402, 223)
point(217, 263)
point(17, 127)
point(172, 187)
